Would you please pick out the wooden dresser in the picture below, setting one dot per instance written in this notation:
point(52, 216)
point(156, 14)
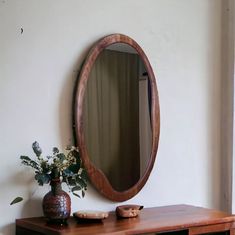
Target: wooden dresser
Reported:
point(178, 219)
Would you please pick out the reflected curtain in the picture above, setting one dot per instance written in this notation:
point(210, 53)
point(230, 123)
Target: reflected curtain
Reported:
point(144, 124)
point(111, 117)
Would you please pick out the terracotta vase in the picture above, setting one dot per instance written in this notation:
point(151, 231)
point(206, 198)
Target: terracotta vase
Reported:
point(56, 204)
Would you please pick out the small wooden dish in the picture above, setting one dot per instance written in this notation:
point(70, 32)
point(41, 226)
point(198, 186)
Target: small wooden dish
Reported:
point(128, 211)
point(91, 215)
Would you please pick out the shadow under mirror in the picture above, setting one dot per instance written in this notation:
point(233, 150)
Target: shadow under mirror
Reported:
point(117, 116)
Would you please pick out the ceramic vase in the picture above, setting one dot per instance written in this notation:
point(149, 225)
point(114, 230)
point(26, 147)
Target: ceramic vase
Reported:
point(56, 204)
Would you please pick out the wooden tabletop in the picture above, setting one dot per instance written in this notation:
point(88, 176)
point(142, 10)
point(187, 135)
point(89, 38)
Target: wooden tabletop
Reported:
point(157, 219)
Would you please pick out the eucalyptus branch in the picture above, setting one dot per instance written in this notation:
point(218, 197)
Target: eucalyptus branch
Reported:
point(66, 166)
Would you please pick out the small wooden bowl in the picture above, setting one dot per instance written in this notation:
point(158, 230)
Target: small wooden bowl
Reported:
point(128, 211)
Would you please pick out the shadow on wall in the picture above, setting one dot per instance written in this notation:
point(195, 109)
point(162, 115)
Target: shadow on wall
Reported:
point(32, 207)
point(66, 105)
point(24, 181)
point(8, 229)
point(26, 186)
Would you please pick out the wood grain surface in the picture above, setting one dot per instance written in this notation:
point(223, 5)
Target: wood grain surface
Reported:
point(189, 219)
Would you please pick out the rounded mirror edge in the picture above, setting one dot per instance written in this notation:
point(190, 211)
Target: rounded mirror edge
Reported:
point(97, 177)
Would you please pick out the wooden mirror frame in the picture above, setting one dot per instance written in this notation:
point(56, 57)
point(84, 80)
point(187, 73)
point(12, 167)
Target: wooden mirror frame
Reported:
point(96, 176)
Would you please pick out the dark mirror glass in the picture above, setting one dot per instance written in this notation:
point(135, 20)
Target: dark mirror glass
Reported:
point(117, 116)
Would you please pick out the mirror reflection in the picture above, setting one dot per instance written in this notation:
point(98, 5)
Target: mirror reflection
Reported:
point(117, 116)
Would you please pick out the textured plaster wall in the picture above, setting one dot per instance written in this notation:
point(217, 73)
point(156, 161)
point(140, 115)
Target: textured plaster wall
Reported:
point(42, 44)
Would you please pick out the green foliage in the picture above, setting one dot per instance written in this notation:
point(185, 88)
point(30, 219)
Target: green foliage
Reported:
point(66, 166)
point(16, 200)
point(28, 162)
point(84, 175)
point(55, 150)
point(76, 188)
point(81, 181)
point(61, 157)
point(83, 193)
point(42, 178)
point(36, 148)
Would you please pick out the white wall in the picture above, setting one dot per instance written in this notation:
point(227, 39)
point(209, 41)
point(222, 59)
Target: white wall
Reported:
point(38, 69)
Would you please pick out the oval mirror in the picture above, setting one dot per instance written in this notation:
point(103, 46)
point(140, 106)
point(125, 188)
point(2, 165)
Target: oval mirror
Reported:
point(116, 114)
